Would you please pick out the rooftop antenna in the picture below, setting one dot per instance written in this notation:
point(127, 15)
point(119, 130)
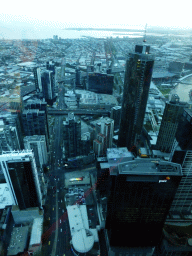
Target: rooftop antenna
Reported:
point(144, 37)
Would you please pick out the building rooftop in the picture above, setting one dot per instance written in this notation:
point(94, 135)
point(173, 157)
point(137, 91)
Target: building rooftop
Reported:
point(36, 232)
point(150, 167)
point(5, 196)
point(118, 153)
point(82, 237)
point(18, 241)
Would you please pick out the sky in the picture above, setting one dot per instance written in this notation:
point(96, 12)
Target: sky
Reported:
point(100, 13)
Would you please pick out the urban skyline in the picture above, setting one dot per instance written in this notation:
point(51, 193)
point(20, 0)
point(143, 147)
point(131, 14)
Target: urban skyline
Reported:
point(58, 100)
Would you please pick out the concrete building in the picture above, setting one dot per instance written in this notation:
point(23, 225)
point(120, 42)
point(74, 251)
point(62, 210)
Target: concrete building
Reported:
point(83, 237)
point(37, 77)
point(11, 132)
point(37, 144)
point(103, 134)
point(9, 139)
point(20, 172)
point(35, 243)
point(25, 216)
point(5, 196)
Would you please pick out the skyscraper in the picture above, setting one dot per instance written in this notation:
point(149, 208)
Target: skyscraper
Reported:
point(34, 123)
point(48, 85)
point(37, 77)
point(171, 116)
point(138, 75)
point(182, 154)
point(20, 172)
point(139, 198)
point(116, 116)
point(40, 105)
point(72, 136)
point(10, 132)
point(37, 143)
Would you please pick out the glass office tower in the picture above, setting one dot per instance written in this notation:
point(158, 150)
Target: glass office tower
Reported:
point(139, 199)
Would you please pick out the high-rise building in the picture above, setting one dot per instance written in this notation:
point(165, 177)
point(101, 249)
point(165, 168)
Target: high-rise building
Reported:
point(11, 132)
point(100, 83)
point(48, 85)
point(171, 116)
point(9, 139)
point(63, 64)
point(37, 143)
point(72, 136)
point(182, 154)
point(138, 75)
point(85, 143)
point(139, 197)
point(104, 128)
point(50, 66)
point(34, 123)
point(116, 116)
point(77, 76)
point(20, 172)
point(37, 77)
point(40, 105)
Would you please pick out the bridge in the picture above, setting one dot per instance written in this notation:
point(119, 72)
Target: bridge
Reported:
point(102, 112)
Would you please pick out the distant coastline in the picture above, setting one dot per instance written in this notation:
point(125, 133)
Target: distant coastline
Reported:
point(107, 29)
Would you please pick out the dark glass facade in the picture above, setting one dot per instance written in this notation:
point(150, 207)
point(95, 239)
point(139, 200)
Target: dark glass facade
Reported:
point(23, 182)
point(171, 117)
point(100, 83)
point(184, 131)
point(138, 75)
point(138, 203)
point(35, 123)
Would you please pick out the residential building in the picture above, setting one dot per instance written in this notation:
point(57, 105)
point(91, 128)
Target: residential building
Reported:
point(138, 73)
point(171, 116)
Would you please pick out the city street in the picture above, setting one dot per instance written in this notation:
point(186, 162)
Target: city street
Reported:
point(58, 234)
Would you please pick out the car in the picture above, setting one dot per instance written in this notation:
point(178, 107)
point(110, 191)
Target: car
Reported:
point(60, 221)
point(61, 230)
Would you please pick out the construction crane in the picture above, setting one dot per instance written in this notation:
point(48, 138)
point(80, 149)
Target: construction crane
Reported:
point(144, 37)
